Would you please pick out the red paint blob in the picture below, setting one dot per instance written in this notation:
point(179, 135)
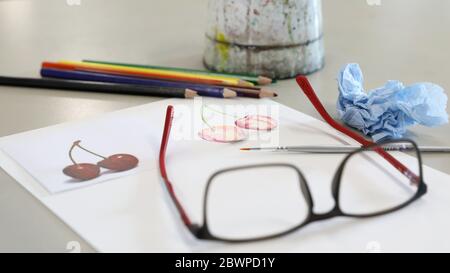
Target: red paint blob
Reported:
point(224, 134)
point(257, 122)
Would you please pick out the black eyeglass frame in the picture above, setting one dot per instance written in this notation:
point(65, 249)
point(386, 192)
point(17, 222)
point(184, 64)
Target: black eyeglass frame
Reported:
point(203, 232)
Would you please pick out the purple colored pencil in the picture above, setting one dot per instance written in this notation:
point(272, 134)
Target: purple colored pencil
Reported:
point(202, 90)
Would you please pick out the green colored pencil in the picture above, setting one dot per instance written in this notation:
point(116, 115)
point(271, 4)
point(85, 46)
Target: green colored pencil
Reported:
point(259, 80)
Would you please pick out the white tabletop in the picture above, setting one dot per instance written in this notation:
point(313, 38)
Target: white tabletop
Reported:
point(405, 40)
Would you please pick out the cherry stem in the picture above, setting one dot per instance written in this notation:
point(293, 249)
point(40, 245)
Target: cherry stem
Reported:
point(77, 143)
point(220, 112)
point(204, 118)
point(70, 153)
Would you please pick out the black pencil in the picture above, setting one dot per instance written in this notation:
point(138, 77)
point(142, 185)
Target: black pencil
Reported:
point(98, 87)
point(262, 93)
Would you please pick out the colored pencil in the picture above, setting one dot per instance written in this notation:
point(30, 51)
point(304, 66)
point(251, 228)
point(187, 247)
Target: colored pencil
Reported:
point(259, 80)
point(112, 71)
point(250, 88)
point(156, 74)
point(252, 92)
point(261, 93)
point(346, 149)
point(202, 90)
point(98, 87)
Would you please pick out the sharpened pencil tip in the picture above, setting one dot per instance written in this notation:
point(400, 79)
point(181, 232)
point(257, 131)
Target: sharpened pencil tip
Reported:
point(245, 149)
point(245, 83)
point(189, 93)
point(264, 80)
point(267, 93)
point(228, 93)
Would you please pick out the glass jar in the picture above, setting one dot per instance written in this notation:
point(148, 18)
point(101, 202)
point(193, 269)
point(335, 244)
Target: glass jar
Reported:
point(274, 38)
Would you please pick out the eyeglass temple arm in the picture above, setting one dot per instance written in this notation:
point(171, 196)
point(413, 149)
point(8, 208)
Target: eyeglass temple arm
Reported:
point(162, 167)
point(305, 85)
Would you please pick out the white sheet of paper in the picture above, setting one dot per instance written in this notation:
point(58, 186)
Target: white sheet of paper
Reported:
point(134, 213)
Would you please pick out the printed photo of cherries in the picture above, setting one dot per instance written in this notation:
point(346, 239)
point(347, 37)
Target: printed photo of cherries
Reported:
point(88, 171)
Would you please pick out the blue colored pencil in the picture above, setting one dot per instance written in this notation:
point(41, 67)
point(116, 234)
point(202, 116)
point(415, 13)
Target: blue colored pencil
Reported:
point(202, 90)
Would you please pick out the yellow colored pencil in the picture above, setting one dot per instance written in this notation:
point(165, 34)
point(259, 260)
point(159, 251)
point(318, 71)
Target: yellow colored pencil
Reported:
point(258, 80)
point(156, 73)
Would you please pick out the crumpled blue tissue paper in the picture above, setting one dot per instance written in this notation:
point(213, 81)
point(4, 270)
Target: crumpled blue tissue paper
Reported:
point(386, 112)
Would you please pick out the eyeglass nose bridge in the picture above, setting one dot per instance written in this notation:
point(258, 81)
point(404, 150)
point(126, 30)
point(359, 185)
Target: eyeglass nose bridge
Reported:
point(335, 212)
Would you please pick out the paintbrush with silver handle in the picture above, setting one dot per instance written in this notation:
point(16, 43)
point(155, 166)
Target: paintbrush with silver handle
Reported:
point(346, 149)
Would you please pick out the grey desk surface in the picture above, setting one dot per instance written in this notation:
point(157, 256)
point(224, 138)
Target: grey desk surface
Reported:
point(400, 39)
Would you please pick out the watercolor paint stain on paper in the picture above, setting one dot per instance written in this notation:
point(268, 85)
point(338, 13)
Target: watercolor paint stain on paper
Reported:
point(224, 133)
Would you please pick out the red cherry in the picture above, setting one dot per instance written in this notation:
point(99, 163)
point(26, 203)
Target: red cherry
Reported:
point(119, 162)
point(83, 171)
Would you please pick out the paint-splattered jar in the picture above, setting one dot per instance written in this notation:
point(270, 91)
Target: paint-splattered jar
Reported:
point(275, 38)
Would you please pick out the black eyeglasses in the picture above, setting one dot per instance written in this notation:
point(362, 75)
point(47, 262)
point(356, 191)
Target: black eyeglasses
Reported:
point(241, 204)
